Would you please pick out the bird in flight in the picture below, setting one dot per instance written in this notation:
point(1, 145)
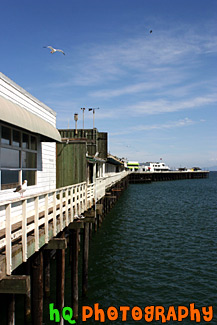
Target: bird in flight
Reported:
point(53, 50)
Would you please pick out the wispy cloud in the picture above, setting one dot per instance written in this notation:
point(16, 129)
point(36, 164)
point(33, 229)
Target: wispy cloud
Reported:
point(138, 57)
point(165, 106)
point(170, 125)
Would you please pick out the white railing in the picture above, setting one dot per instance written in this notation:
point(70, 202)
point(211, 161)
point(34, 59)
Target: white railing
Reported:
point(27, 215)
point(104, 183)
point(24, 216)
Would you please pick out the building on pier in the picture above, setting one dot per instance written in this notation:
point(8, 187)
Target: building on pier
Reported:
point(133, 166)
point(154, 167)
point(27, 147)
point(66, 174)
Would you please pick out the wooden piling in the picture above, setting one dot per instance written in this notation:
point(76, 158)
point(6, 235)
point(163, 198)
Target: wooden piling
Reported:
point(47, 273)
point(37, 289)
point(27, 299)
point(10, 309)
point(60, 279)
point(74, 272)
point(85, 260)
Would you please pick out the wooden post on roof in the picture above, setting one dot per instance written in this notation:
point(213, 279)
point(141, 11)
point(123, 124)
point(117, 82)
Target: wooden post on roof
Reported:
point(85, 259)
point(37, 289)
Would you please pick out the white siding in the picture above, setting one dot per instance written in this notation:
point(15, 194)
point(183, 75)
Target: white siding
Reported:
point(46, 174)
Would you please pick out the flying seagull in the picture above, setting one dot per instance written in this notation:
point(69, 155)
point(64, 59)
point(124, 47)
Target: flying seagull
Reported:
point(21, 188)
point(53, 50)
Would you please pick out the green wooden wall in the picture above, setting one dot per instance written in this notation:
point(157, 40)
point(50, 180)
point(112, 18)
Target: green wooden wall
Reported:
point(71, 164)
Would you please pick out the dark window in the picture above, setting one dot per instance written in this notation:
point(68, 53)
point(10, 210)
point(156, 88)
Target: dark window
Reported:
point(33, 143)
point(18, 157)
point(16, 138)
point(9, 179)
point(10, 158)
point(6, 135)
point(25, 142)
point(29, 175)
point(29, 159)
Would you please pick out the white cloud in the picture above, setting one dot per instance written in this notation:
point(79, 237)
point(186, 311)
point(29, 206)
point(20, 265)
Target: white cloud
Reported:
point(165, 106)
point(170, 125)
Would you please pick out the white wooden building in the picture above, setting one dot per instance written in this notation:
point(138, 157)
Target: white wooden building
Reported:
point(28, 137)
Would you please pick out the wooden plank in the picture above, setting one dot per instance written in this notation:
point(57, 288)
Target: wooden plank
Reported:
point(76, 225)
point(89, 220)
point(56, 243)
point(89, 213)
point(15, 284)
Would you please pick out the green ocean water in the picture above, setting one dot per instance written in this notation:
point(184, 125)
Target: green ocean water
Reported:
point(157, 247)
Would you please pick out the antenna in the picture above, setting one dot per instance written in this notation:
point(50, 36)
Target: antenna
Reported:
point(83, 109)
point(93, 109)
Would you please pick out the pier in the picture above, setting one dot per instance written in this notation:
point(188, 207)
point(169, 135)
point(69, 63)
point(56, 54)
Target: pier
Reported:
point(73, 182)
point(148, 177)
point(49, 222)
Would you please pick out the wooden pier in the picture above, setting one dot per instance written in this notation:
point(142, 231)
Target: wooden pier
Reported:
point(148, 177)
point(35, 226)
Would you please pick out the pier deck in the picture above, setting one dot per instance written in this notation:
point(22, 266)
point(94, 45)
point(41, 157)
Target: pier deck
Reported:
point(148, 177)
point(29, 223)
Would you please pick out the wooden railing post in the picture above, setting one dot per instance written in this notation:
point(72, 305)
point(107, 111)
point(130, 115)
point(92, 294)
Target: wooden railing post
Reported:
point(8, 239)
point(36, 230)
point(54, 215)
point(61, 210)
point(67, 207)
point(71, 204)
point(24, 231)
point(46, 219)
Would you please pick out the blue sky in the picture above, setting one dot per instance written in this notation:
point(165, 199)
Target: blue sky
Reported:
point(157, 92)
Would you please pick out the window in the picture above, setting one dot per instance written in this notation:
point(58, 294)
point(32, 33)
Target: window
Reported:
point(18, 157)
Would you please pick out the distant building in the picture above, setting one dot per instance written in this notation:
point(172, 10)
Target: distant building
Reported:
point(133, 166)
point(154, 167)
point(81, 157)
point(114, 164)
point(27, 141)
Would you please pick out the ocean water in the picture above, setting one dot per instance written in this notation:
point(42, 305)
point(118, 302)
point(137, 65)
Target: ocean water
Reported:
point(157, 247)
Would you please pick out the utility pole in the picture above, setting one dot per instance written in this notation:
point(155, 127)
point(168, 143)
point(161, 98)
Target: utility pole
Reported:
point(93, 109)
point(83, 109)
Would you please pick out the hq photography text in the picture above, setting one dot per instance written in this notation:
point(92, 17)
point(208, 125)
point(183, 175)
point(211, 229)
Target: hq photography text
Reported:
point(125, 313)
